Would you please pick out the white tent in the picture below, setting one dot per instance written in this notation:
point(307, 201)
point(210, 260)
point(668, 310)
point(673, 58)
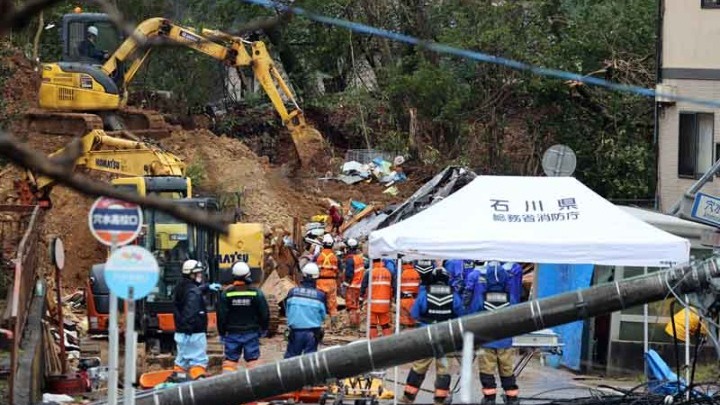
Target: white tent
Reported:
point(529, 219)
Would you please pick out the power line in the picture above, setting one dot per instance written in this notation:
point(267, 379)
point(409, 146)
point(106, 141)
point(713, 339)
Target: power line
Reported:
point(480, 56)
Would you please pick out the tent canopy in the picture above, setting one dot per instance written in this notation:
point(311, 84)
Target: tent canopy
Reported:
point(529, 219)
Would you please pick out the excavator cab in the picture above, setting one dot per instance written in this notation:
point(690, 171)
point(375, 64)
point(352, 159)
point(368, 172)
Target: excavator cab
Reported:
point(174, 242)
point(74, 31)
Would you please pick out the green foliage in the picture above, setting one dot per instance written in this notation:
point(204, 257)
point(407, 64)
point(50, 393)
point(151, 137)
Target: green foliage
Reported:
point(487, 116)
point(197, 173)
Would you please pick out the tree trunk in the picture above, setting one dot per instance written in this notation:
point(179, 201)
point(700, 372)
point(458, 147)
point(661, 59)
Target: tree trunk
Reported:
point(36, 40)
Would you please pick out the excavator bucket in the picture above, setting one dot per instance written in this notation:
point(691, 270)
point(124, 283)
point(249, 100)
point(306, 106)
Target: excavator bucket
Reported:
point(309, 144)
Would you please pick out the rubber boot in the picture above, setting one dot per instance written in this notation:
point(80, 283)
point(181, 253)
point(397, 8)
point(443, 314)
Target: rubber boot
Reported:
point(488, 400)
point(511, 400)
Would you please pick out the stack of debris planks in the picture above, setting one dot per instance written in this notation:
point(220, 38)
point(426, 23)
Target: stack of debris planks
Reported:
point(53, 363)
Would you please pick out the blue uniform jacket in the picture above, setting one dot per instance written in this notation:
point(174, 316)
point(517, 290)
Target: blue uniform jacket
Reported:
point(420, 305)
point(391, 265)
point(306, 306)
point(498, 278)
point(459, 271)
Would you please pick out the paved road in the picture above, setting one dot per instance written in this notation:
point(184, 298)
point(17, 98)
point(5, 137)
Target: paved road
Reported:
point(537, 382)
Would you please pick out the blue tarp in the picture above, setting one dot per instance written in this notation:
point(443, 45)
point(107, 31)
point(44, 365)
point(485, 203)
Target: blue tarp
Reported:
point(555, 279)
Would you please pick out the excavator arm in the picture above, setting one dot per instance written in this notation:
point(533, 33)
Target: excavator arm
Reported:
point(231, 51)
point(104, 153)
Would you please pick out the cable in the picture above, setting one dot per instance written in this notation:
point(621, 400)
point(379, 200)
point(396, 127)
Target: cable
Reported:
point(478, 56)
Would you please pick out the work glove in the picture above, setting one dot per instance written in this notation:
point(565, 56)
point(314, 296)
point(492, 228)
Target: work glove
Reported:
point(264, 333)
point(215, 286)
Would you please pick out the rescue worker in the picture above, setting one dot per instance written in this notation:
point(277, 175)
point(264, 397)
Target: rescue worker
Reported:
point(190, 318)
point(436, 302)
point(327, 261)
point(409, 287)
point(336, 217)
point(242, 316)
point(471, 279)
point(306, 311)
point(354, 272)
point(425, 270)
point(88, 47)
point(498, 286)
point(459, 270)
point(381, 295)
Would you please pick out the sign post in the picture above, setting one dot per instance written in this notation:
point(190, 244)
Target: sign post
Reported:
point(114, 223)
point(131, 273)
point(57, 254)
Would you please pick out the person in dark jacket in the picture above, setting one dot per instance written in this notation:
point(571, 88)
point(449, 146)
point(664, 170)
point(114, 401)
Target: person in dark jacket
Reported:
point(436, 302)
point(88, 49)
point(306, 310)
point(243, 315)
point(190, 317)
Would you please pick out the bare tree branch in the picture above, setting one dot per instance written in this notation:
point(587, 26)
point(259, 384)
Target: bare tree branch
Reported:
point(129, 29)
point(24, 156)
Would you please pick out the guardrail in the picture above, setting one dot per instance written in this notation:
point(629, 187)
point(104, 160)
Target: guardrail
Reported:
point(24, 223)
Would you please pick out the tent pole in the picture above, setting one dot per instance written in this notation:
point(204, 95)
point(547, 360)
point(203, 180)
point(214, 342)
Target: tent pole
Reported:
point(398, 273)
point(646, 338)
point(687, 345)
point(368, 301)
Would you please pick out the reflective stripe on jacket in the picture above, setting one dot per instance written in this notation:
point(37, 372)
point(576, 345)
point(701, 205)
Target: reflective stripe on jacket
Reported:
point(382, 289)
point(409, 280)
point(328, 264)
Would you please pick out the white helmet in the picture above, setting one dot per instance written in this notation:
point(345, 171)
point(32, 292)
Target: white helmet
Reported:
point(240, 270)
point(328, 240)
point(311, 270)
point(352, 243)
point(92, 30)
point(192, 266)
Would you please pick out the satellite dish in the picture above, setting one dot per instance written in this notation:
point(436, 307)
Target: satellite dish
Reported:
point(559, 160)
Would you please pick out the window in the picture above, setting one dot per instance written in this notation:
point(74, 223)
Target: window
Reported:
point(696, 144)
point(710, 3)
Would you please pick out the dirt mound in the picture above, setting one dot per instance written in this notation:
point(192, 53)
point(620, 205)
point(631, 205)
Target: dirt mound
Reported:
point(270, 196)
point(18, 83)
point(229, 166)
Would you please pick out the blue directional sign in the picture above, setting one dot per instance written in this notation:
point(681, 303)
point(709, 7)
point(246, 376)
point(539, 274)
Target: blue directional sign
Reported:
point(706, 208)
point(131, 266)
point(114, 221)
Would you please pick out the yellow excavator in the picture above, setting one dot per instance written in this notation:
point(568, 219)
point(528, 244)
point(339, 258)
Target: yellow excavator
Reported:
point(148, 168)
point(85, 92)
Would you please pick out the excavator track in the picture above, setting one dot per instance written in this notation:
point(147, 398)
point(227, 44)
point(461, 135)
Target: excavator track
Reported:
point(61, 123)
point(145, 124)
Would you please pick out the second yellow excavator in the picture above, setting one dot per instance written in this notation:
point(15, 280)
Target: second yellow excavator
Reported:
point(140, 164)
point(88, 89)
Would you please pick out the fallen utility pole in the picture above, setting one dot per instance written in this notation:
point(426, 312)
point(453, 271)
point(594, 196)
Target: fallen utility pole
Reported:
point(362, 356)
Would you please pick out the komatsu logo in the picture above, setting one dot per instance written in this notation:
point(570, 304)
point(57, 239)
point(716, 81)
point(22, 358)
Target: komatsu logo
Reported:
point(108, 163)
point(233, 257)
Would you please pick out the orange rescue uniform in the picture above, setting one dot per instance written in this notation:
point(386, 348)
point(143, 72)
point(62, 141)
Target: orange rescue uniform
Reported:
point(409, 287)
point(381, 295)
point(327, 283)
point(352, 295)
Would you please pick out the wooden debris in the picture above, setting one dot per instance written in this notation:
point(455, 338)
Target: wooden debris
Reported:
point(53, 365)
